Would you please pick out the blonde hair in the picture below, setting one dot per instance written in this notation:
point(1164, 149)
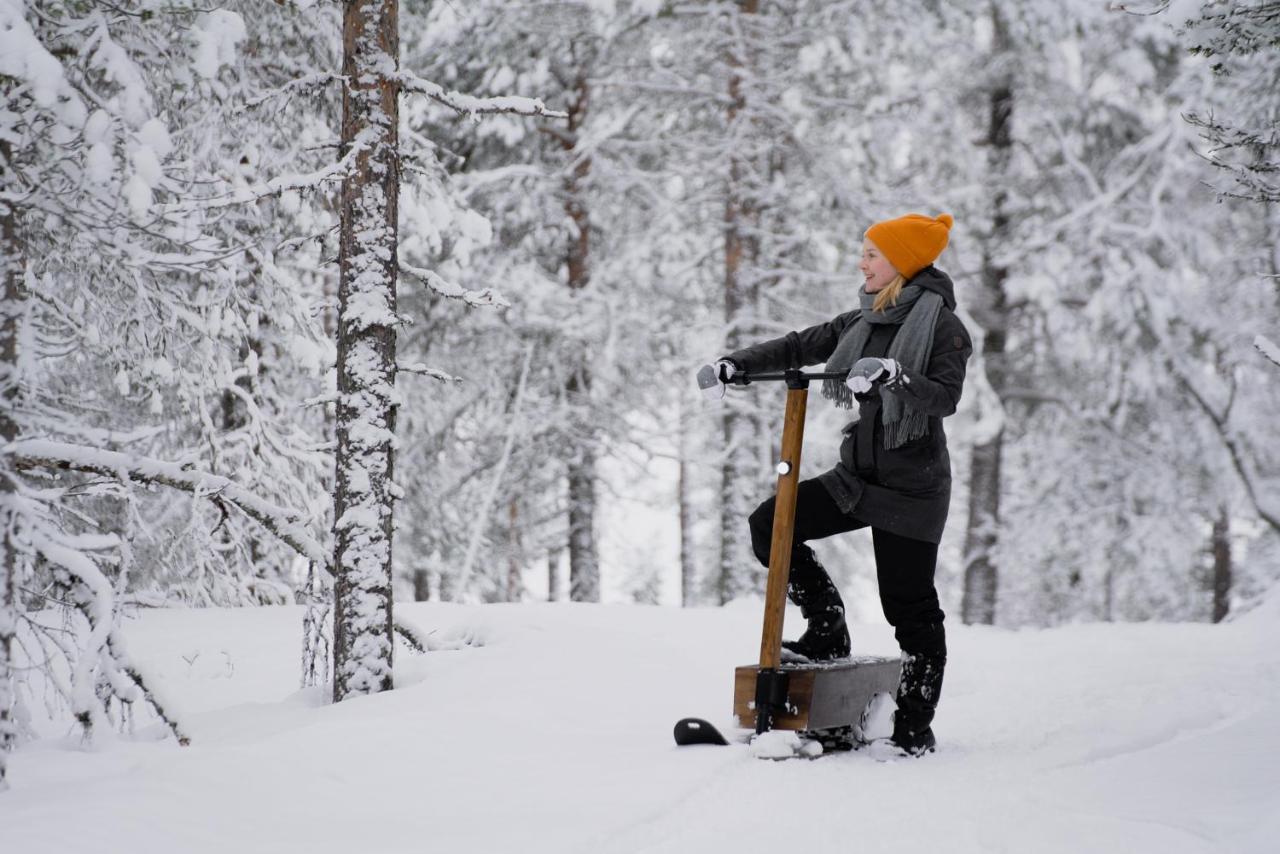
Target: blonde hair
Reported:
point(889, 294)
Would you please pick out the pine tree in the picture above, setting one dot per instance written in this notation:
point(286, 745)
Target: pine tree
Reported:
point(364, 490)
point(981, 573)
point(1242, 42)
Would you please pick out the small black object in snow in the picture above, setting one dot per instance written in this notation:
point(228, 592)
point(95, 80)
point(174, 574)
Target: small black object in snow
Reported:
point(697, 731)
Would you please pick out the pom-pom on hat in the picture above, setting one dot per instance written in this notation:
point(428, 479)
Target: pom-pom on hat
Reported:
point(911, 242)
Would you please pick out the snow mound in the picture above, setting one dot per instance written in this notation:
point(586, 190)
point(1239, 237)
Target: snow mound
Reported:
point(783, 744)
point(1266, 613)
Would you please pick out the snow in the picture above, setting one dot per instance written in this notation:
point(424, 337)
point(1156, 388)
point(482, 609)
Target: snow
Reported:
point(138, 192)
point(476, 228)
point(219, 33)
point(22, 56)
point(1267, 347)
point(288, 524)
point(555, 736)
point(155, 136)
point(147, 166)
point(470, 105)
point(877, 720)
point(782, 744)
point(99, 164)
point(133, 99)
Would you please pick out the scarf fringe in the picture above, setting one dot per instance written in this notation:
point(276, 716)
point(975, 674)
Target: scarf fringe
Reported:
point(911, 426)
point(838, 393)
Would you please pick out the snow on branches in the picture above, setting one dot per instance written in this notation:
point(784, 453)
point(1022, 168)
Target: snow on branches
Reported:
point(99, 669)
point(469, 105)
point(289, 525)
point(438, 284)
point(1268, 348)
point(94, 674)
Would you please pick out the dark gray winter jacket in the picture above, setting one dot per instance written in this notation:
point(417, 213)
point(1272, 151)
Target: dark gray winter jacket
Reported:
point(906, 490)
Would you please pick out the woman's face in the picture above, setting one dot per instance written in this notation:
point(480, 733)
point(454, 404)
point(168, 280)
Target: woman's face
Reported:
point(875, 268)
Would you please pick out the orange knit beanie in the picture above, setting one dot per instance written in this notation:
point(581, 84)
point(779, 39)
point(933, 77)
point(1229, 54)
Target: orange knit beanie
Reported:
point(911, 242)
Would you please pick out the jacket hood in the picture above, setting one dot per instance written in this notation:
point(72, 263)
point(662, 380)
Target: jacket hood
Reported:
point(933, 279)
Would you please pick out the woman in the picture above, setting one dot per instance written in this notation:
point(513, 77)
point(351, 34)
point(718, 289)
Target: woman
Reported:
point(905, 351)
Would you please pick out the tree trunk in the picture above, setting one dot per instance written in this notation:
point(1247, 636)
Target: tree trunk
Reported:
point(584, 574)
point(445, 585)
point(554, 593)
point(584, 569)
point(1109, 595)
point(981, 575)
point(422, 584)
point(363, 496)
point(515, 579)
point(10, 318)
point(739, 571)
point(688, 565)
point(1221, 565)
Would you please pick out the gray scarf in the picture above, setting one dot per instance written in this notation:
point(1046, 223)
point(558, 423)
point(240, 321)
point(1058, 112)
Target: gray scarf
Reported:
point(917, 310)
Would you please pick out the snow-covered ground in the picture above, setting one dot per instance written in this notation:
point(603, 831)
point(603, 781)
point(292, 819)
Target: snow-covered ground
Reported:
point(552, 732)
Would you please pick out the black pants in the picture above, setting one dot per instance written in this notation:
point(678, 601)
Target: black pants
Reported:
point(904, 567)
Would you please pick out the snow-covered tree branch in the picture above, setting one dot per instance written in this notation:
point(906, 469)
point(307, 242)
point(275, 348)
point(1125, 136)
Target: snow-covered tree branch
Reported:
point(287, 524)
point(1268, 349)
point(468, 105)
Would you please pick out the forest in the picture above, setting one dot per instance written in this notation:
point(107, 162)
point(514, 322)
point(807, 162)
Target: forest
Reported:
point(345, 304)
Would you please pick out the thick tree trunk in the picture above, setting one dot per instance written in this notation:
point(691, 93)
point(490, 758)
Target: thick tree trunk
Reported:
point(981, 575)
point(1221, 566)
point(584, 568)
point(10, 308)
point(739, 571)
point(364, 490)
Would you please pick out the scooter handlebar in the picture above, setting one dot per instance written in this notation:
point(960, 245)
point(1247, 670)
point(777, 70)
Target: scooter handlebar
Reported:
point(710, 385)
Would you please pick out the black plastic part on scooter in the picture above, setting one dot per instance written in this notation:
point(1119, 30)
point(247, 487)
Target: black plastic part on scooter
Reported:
point(771, 696)
point(697, 731)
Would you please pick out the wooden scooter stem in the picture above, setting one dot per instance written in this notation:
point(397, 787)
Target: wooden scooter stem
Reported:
point(784, 519)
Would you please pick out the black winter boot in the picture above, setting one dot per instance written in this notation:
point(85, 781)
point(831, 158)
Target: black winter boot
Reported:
point(919, 688)
point(827, 635)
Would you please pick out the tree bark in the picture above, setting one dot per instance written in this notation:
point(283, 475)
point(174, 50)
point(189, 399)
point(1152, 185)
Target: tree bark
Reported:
point(422, 584)
point(364, 490)
point(688, 564)
point(584, 568)
point(515, 578)
point(554, 593)
point(1221, 565)
point(584, 573)
point(10, 317)
point(739, 571)
point(981, 574)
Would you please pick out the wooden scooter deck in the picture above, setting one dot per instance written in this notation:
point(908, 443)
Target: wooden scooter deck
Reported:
point(819, 696)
